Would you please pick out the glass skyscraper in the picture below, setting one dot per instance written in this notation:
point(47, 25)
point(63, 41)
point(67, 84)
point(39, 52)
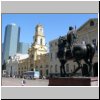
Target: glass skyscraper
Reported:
point(2, 52)
point(23, 48)
point(11, 40)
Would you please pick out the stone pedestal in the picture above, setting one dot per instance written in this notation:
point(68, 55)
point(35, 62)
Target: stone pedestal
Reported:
point(94, 81)
point(73, 81)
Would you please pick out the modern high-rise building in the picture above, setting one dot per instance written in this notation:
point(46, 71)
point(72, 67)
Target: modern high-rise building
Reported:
point(2, 52)
point(11, 40)
point(23, 48)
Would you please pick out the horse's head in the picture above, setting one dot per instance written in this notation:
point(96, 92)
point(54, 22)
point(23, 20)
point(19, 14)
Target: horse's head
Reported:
point(61, 48)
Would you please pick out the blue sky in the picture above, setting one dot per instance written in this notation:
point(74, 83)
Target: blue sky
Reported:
point(55, 25)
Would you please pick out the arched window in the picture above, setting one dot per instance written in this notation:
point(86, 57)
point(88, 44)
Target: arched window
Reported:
point(47, 72)
point(41, 66)
point(41, 41)
point(32, 56)
point(51, 68)
point(91, 23)
point(56, 68)
point(74, 67)
point(97, 46)
point(94, 42)
point(67, 67)
point(41, 73)
point(35, 39)
point(55, 43)
point(36, 68)
point(46, 66)
point(51, 45)
point(51, 56)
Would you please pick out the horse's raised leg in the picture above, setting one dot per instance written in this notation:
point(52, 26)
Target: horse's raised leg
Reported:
point(79, 67)
point(61, 73)
point(64, 72)
point(90, 66)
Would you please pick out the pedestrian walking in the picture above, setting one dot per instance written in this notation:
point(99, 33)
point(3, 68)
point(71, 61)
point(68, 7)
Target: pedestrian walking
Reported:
point(43, 77)
point(23, 82)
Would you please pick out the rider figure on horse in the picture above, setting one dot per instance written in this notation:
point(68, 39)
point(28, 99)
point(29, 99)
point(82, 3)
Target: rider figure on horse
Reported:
point(71, 37)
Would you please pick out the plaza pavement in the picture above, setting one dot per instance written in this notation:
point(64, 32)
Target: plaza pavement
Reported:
point(37, 82)
point(18, 82)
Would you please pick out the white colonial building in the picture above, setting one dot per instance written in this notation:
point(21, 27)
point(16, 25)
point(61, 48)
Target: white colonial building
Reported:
point(12, 64)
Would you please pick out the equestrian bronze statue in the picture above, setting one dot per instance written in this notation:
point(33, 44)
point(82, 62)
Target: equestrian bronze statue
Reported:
point(69, 50)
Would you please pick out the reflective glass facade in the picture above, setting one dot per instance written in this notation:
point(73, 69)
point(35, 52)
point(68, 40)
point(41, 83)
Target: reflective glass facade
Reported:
point(23, 48)
point(11, 40)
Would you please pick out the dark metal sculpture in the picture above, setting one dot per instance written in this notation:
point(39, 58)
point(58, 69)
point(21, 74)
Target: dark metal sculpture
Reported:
point(67, 50)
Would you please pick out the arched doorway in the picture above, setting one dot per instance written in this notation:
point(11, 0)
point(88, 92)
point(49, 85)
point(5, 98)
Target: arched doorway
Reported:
point(36, 68)
point(47, 72)
point(95, 69)
point(85, 70)
point(11, 72)
point(41, 73)
point(31, 69)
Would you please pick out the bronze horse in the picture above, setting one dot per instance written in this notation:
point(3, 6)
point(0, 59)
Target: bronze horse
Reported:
point(68, 51)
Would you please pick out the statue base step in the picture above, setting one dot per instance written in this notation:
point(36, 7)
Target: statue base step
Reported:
point(70, 81)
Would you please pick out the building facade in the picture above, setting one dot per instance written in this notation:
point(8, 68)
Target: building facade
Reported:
point(42, 64)
point(23, 66)
point(88, 32)
point(38, 46)
point(38, 59)
point(54, 67)
point(11, 40)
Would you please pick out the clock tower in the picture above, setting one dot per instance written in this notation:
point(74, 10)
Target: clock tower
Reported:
point(39, 45)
